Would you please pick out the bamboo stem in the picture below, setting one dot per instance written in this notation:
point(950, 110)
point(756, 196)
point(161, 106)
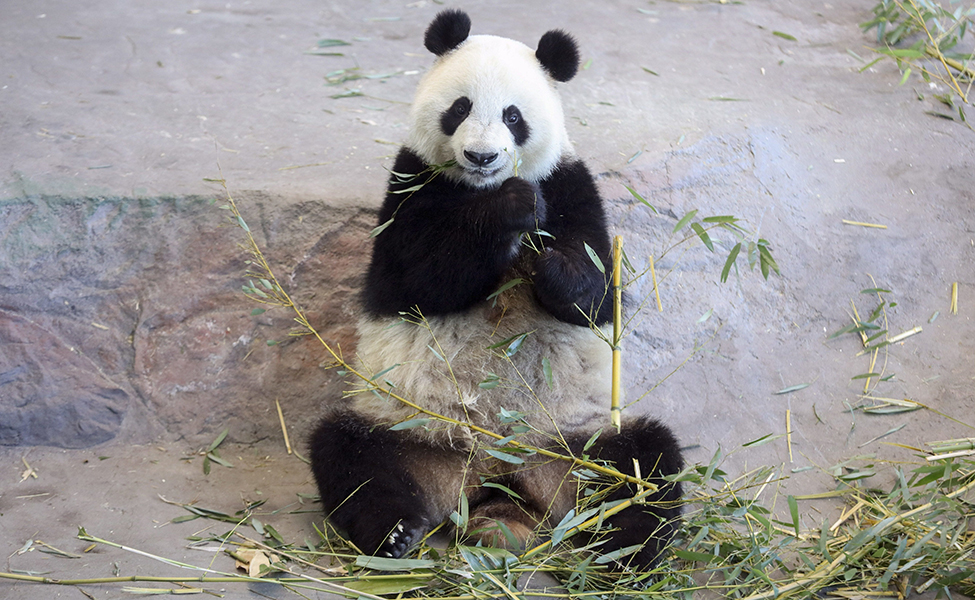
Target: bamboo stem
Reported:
point(656, 290)
point(614, 410)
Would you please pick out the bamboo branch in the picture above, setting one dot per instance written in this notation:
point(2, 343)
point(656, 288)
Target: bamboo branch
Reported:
point(614, 410)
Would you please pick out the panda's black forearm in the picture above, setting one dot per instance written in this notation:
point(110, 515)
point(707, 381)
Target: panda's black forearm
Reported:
point(441, 257)
point(571, 288)
point(567, 281)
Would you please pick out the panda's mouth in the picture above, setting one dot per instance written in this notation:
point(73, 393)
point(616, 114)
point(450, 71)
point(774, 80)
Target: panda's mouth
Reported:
point(482, 173)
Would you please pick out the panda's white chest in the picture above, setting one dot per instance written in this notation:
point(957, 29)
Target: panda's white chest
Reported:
point(505, 354)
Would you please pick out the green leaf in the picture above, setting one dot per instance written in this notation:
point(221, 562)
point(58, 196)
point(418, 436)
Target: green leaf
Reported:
point(243, 225)
point(490, 382)
point(330, 43)
point(785, 36)
point(705, 238)
point(702, 557)
point(761, 441)
point(684, 220)
point(504, 456)
point(506, 490)
point(216, 458)
point(732, 257)
point(258, 311)
point(865, 376)
point(595, 258)
point(767, 262)
point(547, 372)
point(435, 353)
point(383, 372)
point(381, 228)
point(602, 559)
point(506, 286)
point(907, 73)
point(219, 440)
point(792, 388)
point(640, 198)
point(720, 219)
point(794, 510)
point(592, 440)
point(379, 563)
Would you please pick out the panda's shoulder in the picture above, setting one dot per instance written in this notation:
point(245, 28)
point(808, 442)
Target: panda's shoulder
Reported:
point(570, 178)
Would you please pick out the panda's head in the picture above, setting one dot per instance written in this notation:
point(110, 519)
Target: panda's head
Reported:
point(490, 103)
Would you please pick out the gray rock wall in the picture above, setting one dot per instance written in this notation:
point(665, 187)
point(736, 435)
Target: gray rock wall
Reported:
point(125, 316)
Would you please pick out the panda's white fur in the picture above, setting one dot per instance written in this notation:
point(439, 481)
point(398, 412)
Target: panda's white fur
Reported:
point(498, 72)
point(444, 360)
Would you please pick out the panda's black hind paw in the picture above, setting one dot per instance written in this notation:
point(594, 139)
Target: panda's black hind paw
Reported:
point(401, 539)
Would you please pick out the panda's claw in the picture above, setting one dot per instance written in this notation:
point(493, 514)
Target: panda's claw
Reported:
point(398, 542)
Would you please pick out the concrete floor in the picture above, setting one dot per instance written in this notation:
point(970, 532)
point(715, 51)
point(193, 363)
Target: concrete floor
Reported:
point(115, 99)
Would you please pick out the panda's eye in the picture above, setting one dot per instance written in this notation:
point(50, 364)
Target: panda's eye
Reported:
point(461, 107)
point(512, 118)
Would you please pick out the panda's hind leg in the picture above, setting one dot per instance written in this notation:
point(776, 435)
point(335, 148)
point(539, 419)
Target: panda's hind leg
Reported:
point(367, 479)
point(501, 522)
point(654, 522)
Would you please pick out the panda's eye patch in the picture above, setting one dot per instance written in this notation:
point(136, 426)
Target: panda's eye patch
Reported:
point(451, 119)
point(516, 124)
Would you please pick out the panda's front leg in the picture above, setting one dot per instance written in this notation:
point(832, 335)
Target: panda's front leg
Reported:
point(571, 287)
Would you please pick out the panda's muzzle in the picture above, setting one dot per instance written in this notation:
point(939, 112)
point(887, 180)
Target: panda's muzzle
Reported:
point(480, 159)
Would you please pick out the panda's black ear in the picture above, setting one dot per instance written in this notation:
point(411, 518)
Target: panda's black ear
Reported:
point(447, 31)
point(559, 54)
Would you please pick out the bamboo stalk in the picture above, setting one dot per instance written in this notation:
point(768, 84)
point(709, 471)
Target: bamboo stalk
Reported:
point(614, 408)
point(284, 429)
point(656, 290)
point(860, 224)
point(788, 431)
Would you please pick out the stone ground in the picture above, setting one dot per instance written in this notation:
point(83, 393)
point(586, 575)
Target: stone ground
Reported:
point(126, 345)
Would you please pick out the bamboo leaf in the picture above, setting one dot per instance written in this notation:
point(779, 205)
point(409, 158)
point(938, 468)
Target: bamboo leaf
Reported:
point(507, 286)
point(409, 424)
point(504, 456)
point(792, 388)
point(506, 490)
point(732, 257)
point(684, 220)
point(378, 563)
point(219, 440)
point(794, 511)
point(595, 258)
point(641, 198)
point(381, 228)
point(705, 238)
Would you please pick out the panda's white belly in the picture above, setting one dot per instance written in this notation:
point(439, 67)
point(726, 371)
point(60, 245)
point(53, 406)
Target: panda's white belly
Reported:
point(446, 364)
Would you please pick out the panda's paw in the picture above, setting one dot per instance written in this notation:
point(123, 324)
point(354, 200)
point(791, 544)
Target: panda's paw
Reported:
point(400, 539)
point(522, 203)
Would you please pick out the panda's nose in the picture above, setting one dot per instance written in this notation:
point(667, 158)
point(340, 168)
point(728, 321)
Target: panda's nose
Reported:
point(481, 159)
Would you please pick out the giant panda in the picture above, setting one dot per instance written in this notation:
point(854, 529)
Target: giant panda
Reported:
point(487, 196)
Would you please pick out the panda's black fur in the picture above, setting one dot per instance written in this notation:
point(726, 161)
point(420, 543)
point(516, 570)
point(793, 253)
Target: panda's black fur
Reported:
point(487, 192)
